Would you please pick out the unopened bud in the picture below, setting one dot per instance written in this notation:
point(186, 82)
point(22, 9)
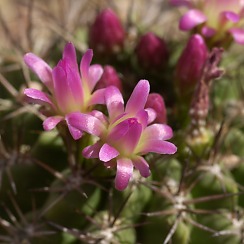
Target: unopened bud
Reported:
point(106, 33)
point(109, 78)
point(151, 52)
point(156, 102)
point(190, 65)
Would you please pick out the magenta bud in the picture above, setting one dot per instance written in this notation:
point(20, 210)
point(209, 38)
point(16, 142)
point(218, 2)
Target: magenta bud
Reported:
point(106, 34)
point(151, 52)
point(109, 78)
point(190, 64)
point(156, 102)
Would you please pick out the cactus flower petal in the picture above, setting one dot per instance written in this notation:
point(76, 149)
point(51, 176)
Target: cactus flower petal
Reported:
point(63, 93)
point(95, 73)
point(208, 31)
point(138, 97)
point(157, 132)
point(85, 64)
point(238, 35)
point(130, 131)
point(124, 173)
point(41, 68)
point(107, 153)
point(38, 96)
point(114, 101)
point(191, 19)
point(158, 146)
point(152, 115)
point(85, 122)
point(230, 16)
point(92, 151)
point(69, 54)
point(51, 122)
point(141, 164)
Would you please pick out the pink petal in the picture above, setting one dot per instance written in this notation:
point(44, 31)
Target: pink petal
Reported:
point(126, 135)
point(85, 64)
point(114, 101)
point(69, 54)
point(157, 146)
point(124, 173)
point(75, 133)
point(191, 19)
point(107, 153)
point(95, 73)
point(119, 131)
point(229, 16)
point(41, 68)
point(85, 122)
point(39, 97)
point(141, 164)
point(138, 97)
point(152, 115)
point(157, 132)
point(74, 84)
point(51, 122)
point(142, 117)
point(100, 116)
point(62, 90)
point(92, 151)
point(97, 97)
point(208, 31)
point(67, 86)
point(238, 35)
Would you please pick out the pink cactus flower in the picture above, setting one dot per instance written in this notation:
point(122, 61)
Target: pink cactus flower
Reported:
point(190, 64)
point(107, 33)
point(68, 89)
point(214, 19)
point(151, 52)
point(110, 77)
point(124, 136)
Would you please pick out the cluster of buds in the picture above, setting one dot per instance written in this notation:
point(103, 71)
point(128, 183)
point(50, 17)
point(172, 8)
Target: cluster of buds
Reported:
point(107, 36)
point(123, 136)
point(217, 21)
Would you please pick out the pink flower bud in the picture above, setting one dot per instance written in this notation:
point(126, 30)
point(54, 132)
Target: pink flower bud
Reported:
point(190, 64)
point(109, 78)
point(156, 102)
point(151, 52)
point(106, 33)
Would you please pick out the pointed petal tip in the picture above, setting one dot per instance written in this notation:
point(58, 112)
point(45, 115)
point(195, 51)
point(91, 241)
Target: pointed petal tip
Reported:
point(124, 173)
point(191, 19)
point(172, 149)
point(141, 164)
point(238, 35)
point(51, 122)
point(107, 153)
point(89, 53)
